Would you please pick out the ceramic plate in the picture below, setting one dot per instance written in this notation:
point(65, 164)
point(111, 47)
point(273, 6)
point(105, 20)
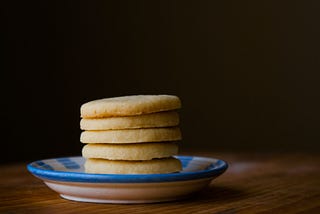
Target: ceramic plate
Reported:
point(67, 177)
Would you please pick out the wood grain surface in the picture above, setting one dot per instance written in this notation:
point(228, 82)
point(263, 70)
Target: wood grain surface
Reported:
point(254, 183)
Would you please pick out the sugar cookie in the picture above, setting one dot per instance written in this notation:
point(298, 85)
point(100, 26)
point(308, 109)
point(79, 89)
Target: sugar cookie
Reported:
point(129, 105)
point(134, 151)
point(155, 166)
point(160, 119)
point(131, 135)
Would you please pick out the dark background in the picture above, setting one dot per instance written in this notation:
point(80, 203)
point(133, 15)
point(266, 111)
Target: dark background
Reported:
point(247, 72)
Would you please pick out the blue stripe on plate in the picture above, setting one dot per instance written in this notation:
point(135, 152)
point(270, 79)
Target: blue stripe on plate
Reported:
point(43, 165)
point(68, 163)
point(216, 167)
point(185, 161)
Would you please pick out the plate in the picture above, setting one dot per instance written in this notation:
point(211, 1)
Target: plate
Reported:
point(67, 177)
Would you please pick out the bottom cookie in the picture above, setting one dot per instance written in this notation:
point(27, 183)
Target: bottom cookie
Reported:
point(155, 166)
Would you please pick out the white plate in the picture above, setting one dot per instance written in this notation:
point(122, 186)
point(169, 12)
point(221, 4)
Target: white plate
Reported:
point(67, 177)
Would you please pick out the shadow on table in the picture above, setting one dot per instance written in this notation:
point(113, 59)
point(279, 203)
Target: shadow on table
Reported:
point(218, 194)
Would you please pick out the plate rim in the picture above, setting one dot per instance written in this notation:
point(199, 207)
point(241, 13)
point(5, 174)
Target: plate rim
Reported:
point(220, 166)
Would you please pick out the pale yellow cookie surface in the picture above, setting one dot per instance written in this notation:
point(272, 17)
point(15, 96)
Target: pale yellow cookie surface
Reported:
point(131, 135)
point(129, 105)
point(161, 119)
point(135, 151)
point(156, 166)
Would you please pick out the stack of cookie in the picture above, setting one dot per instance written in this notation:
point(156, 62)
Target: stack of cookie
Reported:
point(131, 134)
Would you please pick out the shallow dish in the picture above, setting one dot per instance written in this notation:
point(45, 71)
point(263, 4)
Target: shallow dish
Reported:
point(67, 177)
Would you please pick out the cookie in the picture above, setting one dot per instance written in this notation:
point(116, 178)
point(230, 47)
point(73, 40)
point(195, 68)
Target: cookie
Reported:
point(161, 119)
point(131, 135)
point(135, 151)
point(129, 105)
point(155, 166)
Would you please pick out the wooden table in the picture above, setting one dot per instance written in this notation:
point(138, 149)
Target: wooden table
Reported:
point(254, 183)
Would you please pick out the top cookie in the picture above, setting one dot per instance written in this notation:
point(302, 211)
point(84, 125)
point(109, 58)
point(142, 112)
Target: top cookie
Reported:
point(129, 105)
